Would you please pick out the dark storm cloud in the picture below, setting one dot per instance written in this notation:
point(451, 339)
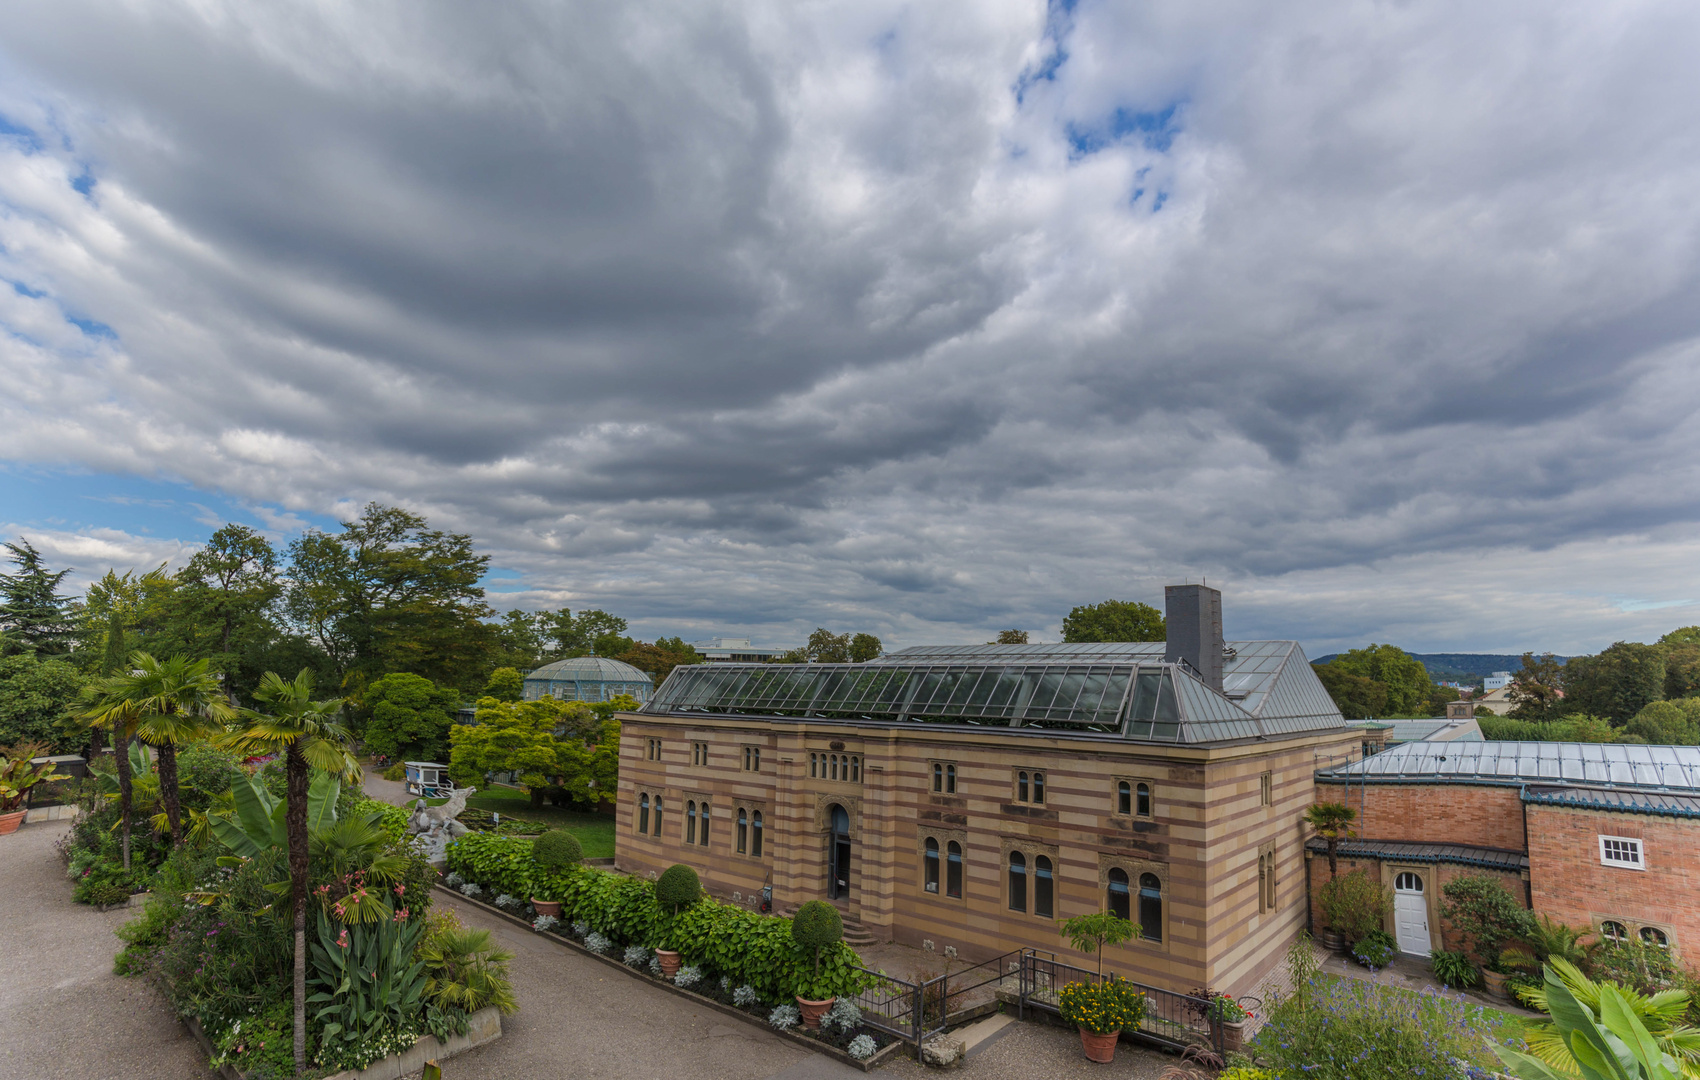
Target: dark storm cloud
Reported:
point(928, 319)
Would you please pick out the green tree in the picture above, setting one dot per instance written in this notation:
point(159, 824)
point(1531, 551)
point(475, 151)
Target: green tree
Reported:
point(1010, 637)
point(588, 772)
point(826, 647)
point(1667, 723)
point(1406, 679)
point(389, 594)
point(226, 595)
point(505, 684)
point(1114, 620)
point(518, 737)
point(1682, 661)
point(1617, 683)
point(1537, 689)
point(107, 704)
point(1092, 933)
point(522, 640)
point(1439, 697)
point(1333, 822)
point(865, 647)
point(407, 717)
point(34, 616)
point(1357, 697)
point(175, 701)
point(658, 660)
point(36, 694)
point(310, 736)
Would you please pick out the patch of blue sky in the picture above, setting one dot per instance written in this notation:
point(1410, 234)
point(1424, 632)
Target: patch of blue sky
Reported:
point(1059, 23)
point(1155, 130)
point(72, 500)
point(1650, 605)
point(92, 328)
point(24, 290)
point(25, 137)
point(84, 183)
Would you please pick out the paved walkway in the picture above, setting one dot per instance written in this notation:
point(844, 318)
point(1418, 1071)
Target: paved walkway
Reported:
point(63, 1014)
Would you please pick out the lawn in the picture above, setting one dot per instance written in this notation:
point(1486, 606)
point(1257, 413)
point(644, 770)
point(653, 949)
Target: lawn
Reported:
point(595, 832)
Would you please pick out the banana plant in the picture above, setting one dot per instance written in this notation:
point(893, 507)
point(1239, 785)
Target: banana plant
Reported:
point(257, 825)
point(1610, 1044)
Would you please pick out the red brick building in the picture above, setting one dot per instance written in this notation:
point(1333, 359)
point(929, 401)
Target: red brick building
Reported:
point(1601, 836)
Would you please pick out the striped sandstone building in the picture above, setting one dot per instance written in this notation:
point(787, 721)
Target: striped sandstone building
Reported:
point(974, 797)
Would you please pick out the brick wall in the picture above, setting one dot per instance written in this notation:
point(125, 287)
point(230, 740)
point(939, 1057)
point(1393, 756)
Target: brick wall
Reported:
point(1572, 885)
point(1435, 877)
point(1473, 814)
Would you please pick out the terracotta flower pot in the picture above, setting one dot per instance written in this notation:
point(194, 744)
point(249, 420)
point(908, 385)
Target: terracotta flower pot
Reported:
point(813, 1010)
point(9, 822)
point(669, 962)
point(551, 908)
point(1099, 1048)
point(1231, 1035)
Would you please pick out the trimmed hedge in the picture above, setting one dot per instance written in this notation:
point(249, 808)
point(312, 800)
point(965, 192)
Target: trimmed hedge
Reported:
point(754, 950)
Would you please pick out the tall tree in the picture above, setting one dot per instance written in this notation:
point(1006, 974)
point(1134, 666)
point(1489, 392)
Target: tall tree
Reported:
point(1618, 683)
point(36, 693)
point(34, 616)
point(225, 597)
point(1356, 696)
point(1682, 661)
point(1011, 637)
point(1406, 679)
point(107, 704)
point(658, 660)
point(1537, 690)
point(176, 701)
point(1114, 620)
point(865, 647)
point(407, 716)
point(311, 737)
point(388, 593)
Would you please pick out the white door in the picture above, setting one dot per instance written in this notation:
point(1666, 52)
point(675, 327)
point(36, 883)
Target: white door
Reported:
point(1410, 914)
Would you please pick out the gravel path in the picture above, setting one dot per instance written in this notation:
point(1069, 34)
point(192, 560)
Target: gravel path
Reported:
point(63, 1014)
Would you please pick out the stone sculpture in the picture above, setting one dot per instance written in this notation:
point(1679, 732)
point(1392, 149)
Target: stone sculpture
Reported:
point(432, 827)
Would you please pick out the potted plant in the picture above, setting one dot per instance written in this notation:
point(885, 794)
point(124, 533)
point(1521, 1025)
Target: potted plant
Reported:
point(678, 888)
point(17, 776)
point(555, 850)
point(1101, 1011)
point(1227, 1019)
point(1091, 933)
point(816, 926)
point(1353, 905)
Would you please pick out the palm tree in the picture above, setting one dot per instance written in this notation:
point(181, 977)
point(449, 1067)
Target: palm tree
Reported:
point(1332, 822)
point(1660, 1014)
point(108, 708)
point(310, 737)
point(176, 701)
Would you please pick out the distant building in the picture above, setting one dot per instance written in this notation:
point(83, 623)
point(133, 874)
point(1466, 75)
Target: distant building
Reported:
point(733, 650)
point(588, 678)
point(1499, 680)
point(1497, 701)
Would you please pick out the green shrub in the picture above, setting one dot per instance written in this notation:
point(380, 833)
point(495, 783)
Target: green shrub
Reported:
point(1103, 1008)
point(1645, 968)
point(1486, 914)
point(1453, 969)
point(396, 772)
point(557, 849)
point(814, 927)
point(103, 884)
point(1355, 904)
point(205, 772)
point(678, 888)
point(392, 818)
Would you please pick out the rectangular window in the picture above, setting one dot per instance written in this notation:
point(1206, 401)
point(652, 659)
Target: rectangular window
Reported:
point(1624, 851)
point(699, 753)
point(752, 759)
point(1266, 789)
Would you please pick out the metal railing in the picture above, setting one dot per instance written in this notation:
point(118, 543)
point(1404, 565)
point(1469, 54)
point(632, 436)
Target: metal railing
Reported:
point(942, 997)
point(1173, 1021)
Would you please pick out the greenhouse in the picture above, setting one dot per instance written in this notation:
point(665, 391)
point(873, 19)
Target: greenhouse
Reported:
point(588, 678)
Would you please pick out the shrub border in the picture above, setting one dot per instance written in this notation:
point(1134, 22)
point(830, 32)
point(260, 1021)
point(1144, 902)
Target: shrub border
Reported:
point(697, 999)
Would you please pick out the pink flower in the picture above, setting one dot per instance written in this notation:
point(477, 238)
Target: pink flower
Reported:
point(342, 939)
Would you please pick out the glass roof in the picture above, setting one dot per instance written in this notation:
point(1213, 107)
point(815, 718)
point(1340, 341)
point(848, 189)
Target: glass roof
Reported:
point(1675, 768)
point(1049, 687)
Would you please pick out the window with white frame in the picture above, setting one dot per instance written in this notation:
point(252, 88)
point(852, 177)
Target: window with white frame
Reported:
point(1624, 851)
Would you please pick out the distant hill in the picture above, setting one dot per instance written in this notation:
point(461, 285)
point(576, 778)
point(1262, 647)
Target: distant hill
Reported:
point(1460, 667)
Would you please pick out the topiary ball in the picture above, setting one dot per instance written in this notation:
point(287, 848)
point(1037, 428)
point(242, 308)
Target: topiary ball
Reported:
point(678, 887)
point(816, 925)
point(556, 850)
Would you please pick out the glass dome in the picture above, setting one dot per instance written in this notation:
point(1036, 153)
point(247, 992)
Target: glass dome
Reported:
point(588, 678)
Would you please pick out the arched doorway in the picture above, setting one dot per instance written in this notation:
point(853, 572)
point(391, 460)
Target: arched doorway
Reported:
point(838, 853)
point(1410, 914)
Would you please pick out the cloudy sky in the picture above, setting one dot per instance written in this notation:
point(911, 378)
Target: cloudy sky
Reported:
point(927, 319)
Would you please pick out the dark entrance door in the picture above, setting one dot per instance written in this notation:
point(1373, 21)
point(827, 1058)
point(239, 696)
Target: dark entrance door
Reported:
point(838, 884)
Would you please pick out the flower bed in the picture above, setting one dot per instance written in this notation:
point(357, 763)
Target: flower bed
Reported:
point(846, 1039)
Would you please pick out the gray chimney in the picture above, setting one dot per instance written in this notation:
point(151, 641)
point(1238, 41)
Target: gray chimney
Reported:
point(1194, 619)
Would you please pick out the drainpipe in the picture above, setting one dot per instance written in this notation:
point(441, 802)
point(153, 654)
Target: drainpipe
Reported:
point(1529, 882)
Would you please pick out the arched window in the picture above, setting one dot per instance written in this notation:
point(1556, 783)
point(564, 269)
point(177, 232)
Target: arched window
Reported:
point(835, 766)
point(704, 840)
point(658, 815)
point(1613, 931)
point(813, 768)
point(953, 870)
point(1038, 787)
point(1042, 887)
point(1150, 907)
point(691, 822)
point(1017, 881)
point(938, 777)
point(743, 831)
point(755, 840)
point(856, 770)
point(950, 779)
point(1118, 898)
point(1652, 935)
point(1142, 800)
point(643, 813)
point(1408, 882)
point(1021, 786)
point(930, 866)
point(1124, 798)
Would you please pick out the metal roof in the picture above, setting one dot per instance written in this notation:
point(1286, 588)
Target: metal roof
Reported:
point(1662, 768)
point(1118, 688)
point(1630, 800)
point(587, 669)
point(1405, 851)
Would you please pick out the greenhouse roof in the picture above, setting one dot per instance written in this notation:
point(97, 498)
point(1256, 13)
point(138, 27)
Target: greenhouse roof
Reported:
point(1668, 768)
point(587, 669)
point(1119, 689)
